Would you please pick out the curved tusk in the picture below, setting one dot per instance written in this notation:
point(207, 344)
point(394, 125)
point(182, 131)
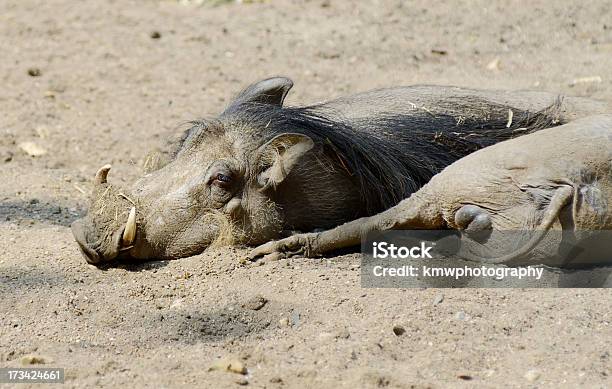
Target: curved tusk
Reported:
point(129, 232)
point(101, 174)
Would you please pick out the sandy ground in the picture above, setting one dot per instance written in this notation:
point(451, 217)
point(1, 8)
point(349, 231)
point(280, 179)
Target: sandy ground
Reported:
point(94, 82)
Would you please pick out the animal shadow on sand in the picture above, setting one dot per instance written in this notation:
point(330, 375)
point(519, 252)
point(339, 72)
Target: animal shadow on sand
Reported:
point(34, 210)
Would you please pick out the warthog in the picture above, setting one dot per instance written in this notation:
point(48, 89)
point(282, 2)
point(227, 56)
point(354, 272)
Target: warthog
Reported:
point(558, 178)
point(260, 170)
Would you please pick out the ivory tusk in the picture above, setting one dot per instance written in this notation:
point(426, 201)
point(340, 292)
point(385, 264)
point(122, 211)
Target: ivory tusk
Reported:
point(129, 233)
point(101, 174)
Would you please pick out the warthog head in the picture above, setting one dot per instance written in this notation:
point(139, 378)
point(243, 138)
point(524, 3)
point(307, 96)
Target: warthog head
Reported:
point(218, 187)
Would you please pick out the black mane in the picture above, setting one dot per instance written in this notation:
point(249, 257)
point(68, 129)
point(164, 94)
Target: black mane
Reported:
point(392, 156)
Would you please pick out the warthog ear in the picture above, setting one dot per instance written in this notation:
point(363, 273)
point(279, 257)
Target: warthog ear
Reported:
point(279, 155)
point(269, 91)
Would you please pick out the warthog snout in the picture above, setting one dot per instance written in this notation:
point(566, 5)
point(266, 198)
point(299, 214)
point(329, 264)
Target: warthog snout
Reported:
point(101, 235)
point(94, 252)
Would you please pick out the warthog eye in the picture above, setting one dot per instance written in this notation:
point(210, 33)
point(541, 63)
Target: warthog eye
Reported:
point(222, 179)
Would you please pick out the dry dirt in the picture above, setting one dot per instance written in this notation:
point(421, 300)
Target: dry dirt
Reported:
point(95, 82)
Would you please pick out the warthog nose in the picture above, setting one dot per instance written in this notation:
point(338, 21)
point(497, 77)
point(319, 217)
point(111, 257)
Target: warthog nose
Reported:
point(78, 231)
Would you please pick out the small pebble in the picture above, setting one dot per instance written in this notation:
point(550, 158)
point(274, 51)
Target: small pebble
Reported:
point(255, 303)
point(438, 299)
point(494, 64)
point(399, 330)
point(155, 35)
point(284, 322)
point(230, 365)
point(32, 149)
point(532, 375)
point(34, 72)
point(460, 315)
point(32, 360)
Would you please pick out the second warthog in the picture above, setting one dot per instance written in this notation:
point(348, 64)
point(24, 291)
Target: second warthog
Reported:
point(260, 170)
point(505, 200)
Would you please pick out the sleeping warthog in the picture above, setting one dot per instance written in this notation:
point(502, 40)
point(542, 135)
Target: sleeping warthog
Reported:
point(559, 178)
point(261, 169)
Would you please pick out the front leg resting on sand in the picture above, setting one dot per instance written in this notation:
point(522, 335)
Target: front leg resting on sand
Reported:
point(406, 214)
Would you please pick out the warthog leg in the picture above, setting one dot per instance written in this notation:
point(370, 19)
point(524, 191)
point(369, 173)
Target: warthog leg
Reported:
point(405, 215)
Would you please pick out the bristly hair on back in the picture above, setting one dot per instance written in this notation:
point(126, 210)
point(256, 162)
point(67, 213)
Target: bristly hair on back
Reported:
point(392, 156)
